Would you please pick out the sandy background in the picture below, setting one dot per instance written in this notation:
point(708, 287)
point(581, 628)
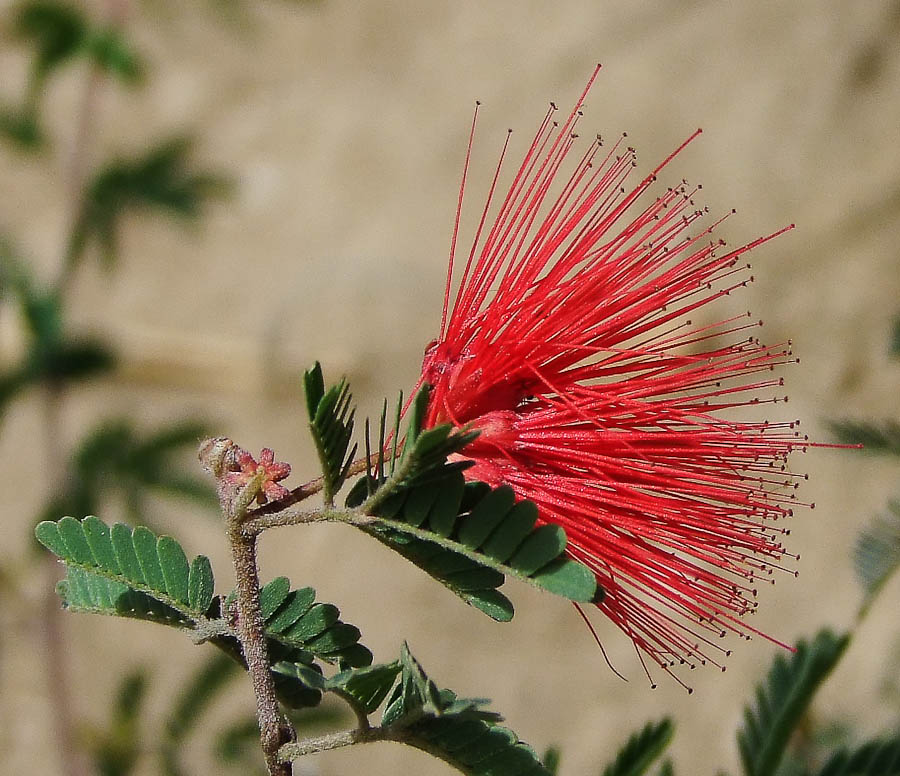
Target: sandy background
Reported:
point(343, 125)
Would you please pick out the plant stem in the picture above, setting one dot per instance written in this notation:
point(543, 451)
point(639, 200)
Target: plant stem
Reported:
point(296, 750)
point(72, 759)
point(273, 728)
point(303, 492)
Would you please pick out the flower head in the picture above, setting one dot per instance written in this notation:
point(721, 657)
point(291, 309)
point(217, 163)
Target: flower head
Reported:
point(569, 344)
point(263, 475)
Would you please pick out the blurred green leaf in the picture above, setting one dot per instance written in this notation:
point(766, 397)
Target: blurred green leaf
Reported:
point(783, 699)
point(57, 31)
point(162, 179)
point(551, 760)
point(21, 127)
point(881, 438)
point(874, 758)
point(117, 458)
point(109, 51)
point(642, 750)
point(876, 554)
point(117, 748)
point(195, 697)
point(239, 743)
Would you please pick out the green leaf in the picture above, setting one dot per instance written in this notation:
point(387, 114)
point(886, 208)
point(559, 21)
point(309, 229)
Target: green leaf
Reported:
point(160, 180)
point(331, 425)
point(876, 554)
point(783, 699)
point(116, 748)
point(57, 31)
point(367, 687)
point(214, 673)
point(175, 569)
point(21, 127)
point(298, 630)
point(874, 758)
point(881, 439)
point(466, 535)
point(272, 595)
point(471, 538)
point(109, 51)
point(83, 591)
point(201, 585)
point(463, 734)
point(116, 457)
point(124, 567)
point(642, 749)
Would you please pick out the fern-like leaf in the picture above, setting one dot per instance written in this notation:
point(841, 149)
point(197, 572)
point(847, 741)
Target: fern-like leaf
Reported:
point(294, 619)
point(367, 687)
point(455, 729)
point(470, 537)
point(783, 699)
point(331, 425)
point(467, 536)
point(875, 758)
point(133, 573)
point(161, 180)
point(127, 571)
point(642, 749)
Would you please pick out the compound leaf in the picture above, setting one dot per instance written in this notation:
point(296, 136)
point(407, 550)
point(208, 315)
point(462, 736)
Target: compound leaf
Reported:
point(464, 735)
point(366, 687)
point(124, 571)
point(783, 699)
point(874, 758)
point(331, 425)
point(876, 555)
point(642, 749)
point(471, 537)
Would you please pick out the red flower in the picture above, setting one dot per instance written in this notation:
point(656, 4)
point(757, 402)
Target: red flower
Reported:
point(569, 345)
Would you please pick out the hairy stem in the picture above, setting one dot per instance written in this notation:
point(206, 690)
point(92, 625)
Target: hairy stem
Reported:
point(273, 728)
point(298, 749)
point(302, 493)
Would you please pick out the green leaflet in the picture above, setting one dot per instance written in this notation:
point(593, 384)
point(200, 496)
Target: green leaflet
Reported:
point(121, 568)
point(295, 621)
point(367, 686)
point(783, 699)
point(874, 758)
point(642, 749)
point(331, 425)
point(465, 735)
point(470, 538)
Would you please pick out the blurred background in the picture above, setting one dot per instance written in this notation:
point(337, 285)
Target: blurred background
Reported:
point(309, 218)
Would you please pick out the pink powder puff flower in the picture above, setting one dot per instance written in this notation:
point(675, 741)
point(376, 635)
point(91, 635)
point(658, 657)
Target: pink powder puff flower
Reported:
point(271, 472)
point(570, 346)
